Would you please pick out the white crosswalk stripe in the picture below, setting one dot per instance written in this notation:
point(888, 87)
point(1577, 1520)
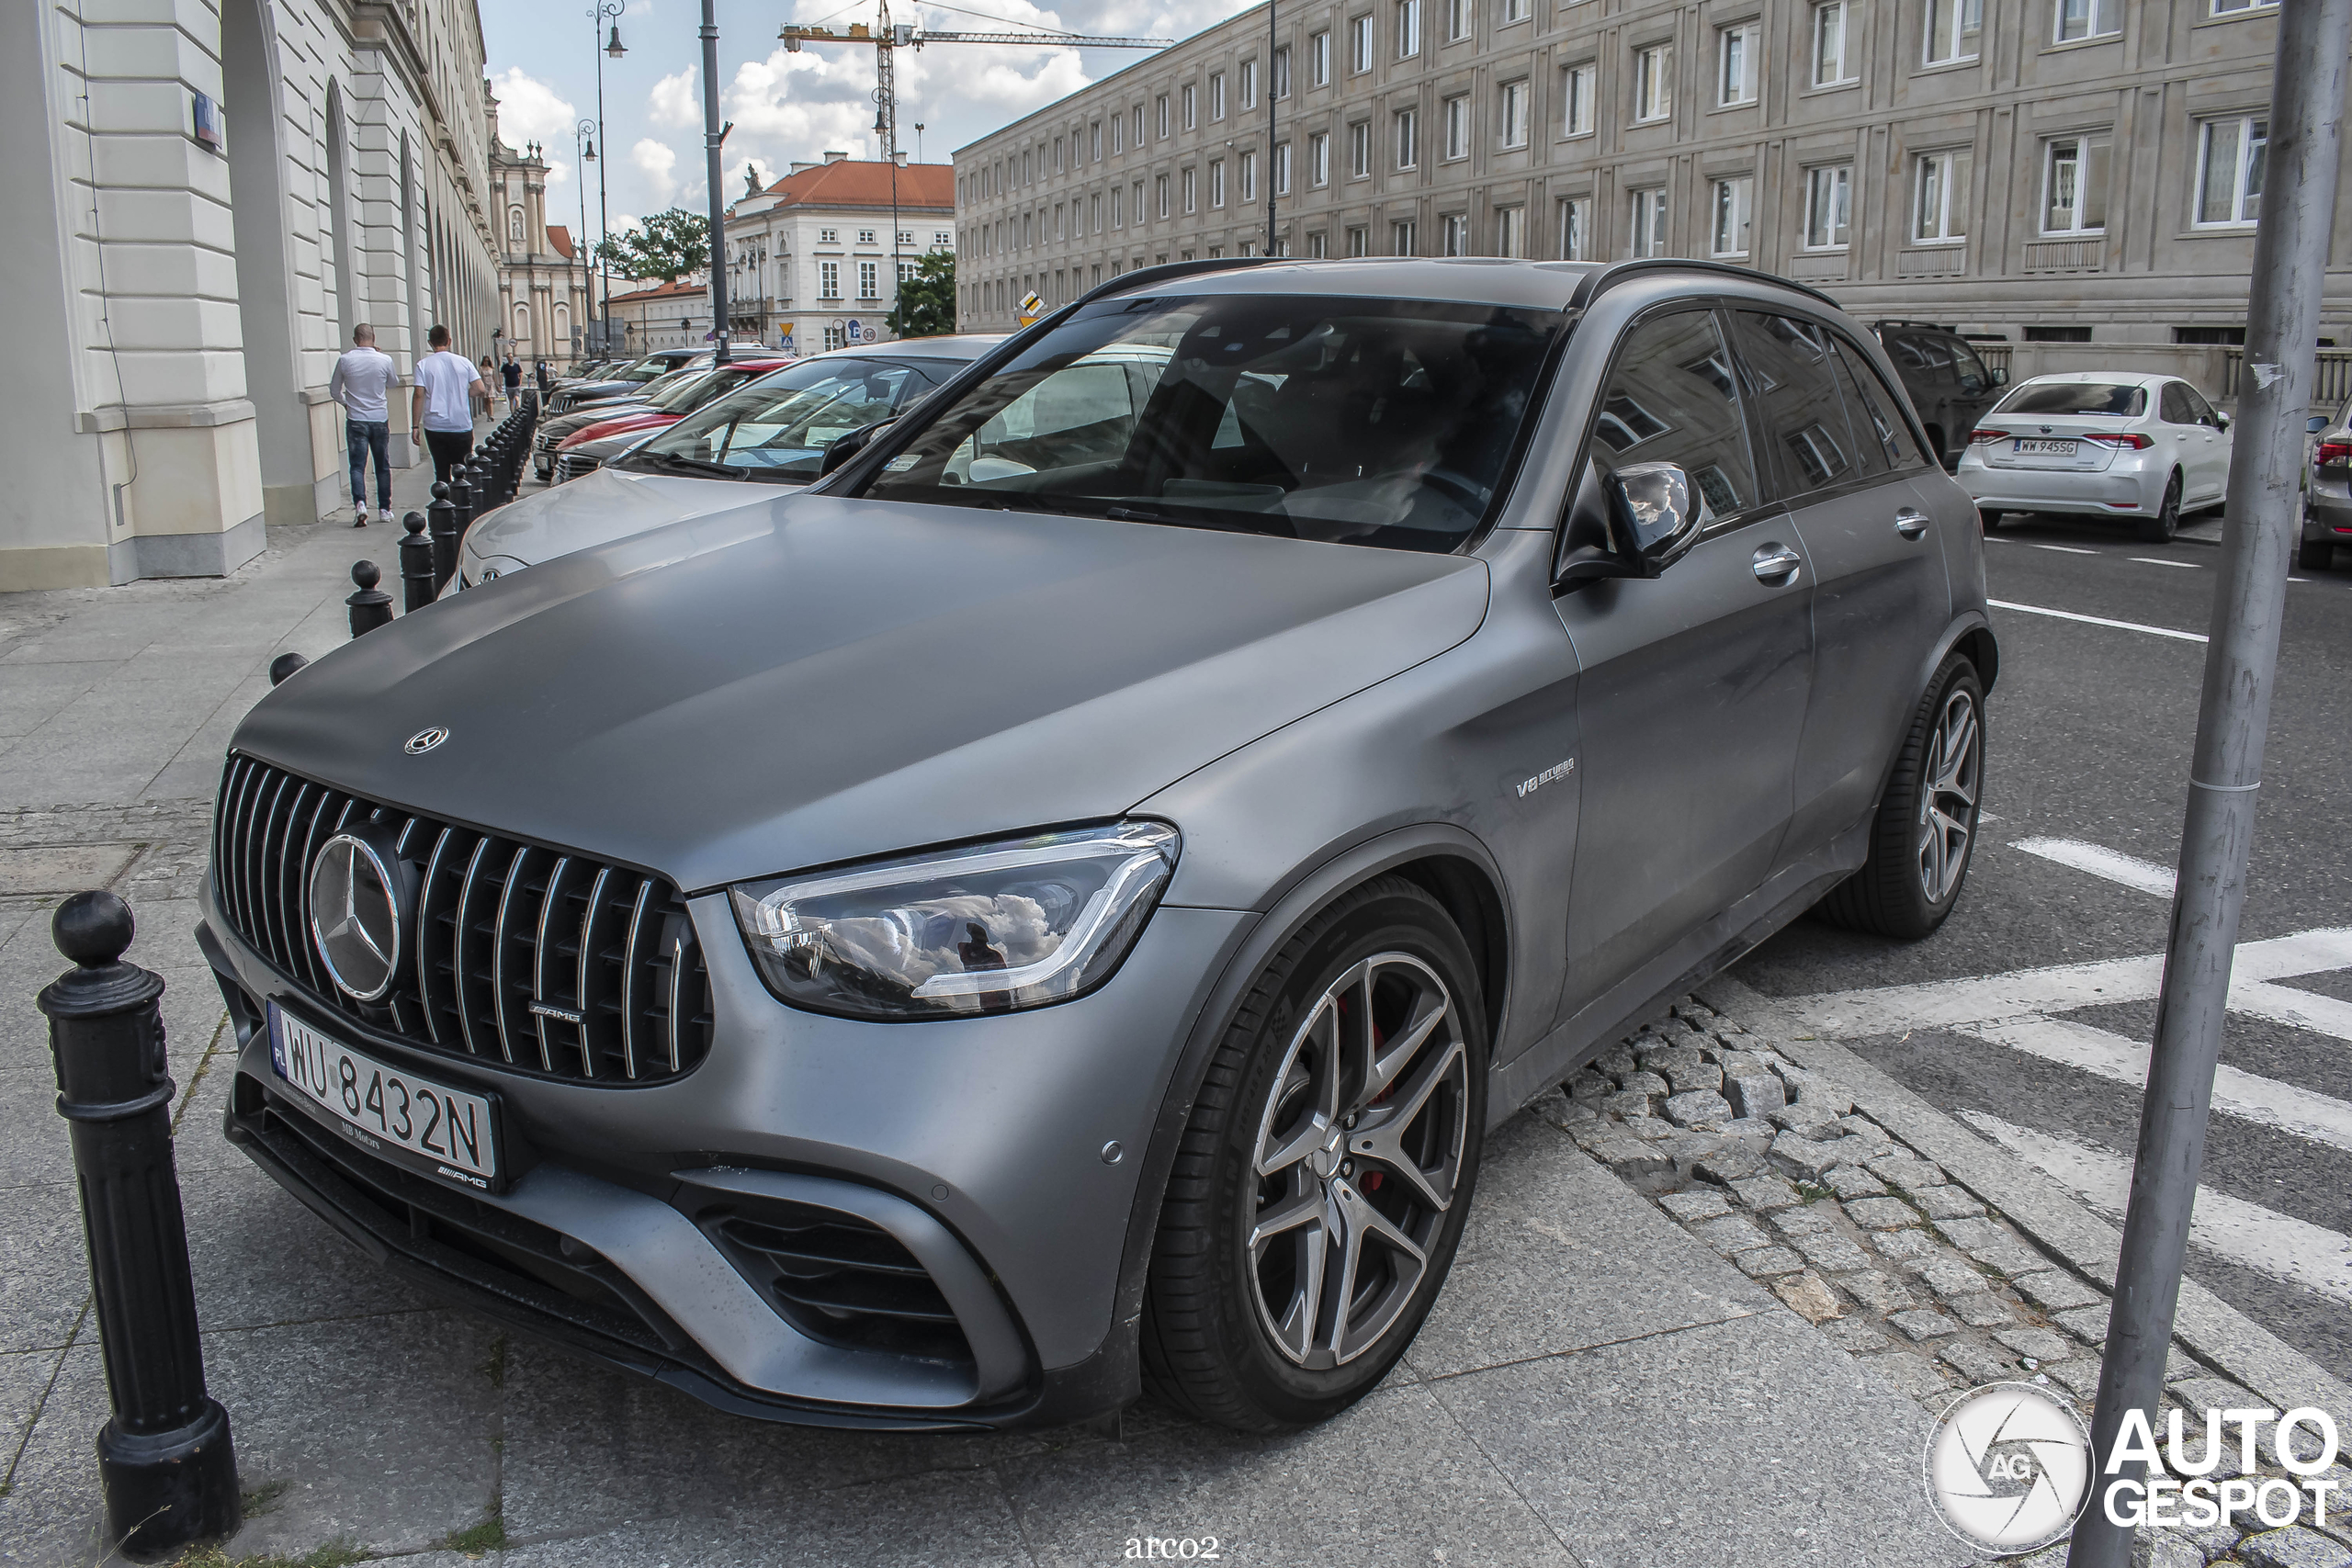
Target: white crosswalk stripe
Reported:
point(2100, 861)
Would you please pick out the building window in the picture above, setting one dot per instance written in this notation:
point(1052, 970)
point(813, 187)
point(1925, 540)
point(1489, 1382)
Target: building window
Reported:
point(1576, 229)
point(1163, 117)
point(2057, 335)
point(1510, 107)
point(833, 338)
point(869, 280)
point(829, 236)
point(1318, 59)
point(1517, 10)
point(1217, 96)
point(1735, 64)
point(1835, 61)
point(1060, 155)
point(1409, 29)
point(1161, 191)
point(1648, 224)
point(1318, 160)
point(2229, 170)
point(1318, 246)
point(1954, 28)
point(1453, 235)
point(1095, 141)
point(2087, 18)
point(1135, 118)
point(1192, 193)
point(1409, 139)
point(1192, 106)
point(1402, 238)
point(1216, 182)
point(1249, 178)
point(1282, 167)
point(1360, 149)
point(2231, 7)
point(1134, 208)
point(1510, 230)
point(1734, 198)
point(1117, 217)
point(1829, 207)
point(1094, 213)
point(1940, 211)
point(1359, 43)
point(866, 237)
point(1576, 84)
point(2074, 185)
point(1280, 83)
point(1457, 128)
point(1457, 19)
point(829, 280)
point(1652, 83)
point(1248, 84)
point(1359, 242)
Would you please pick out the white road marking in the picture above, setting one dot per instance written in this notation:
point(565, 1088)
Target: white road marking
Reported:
point(2068, 549)
point(2123, 1060)
point(1943, 1004)
point(2299, 580)
point(2184, 564)
point(2231, 1228)
point(2099, 861)
point(2094, 620)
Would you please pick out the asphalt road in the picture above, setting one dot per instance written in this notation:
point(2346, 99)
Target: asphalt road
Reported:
point(2090, 729)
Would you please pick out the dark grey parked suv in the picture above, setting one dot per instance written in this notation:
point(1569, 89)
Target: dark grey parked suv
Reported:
point(1052, 909)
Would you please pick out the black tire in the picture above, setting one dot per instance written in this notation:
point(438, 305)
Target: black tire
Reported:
point(1988, 520)
point(1890, 895)
point(2315, 555)
point(1209, 1339)
point(2159, 529)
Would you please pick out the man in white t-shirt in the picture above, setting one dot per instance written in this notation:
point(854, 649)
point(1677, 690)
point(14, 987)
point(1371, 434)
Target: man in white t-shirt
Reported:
point(443, 406)
point(362, 384)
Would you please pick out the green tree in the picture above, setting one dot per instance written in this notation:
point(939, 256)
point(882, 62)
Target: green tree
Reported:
point(667, 245)
point(926, 306)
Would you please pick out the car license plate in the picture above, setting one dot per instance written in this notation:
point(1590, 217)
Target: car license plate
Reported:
point(2045, 448)
point(384, 1109)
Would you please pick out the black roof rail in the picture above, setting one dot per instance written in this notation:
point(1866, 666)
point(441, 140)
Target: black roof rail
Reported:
point(1593, 283)
point(1931, 326)
point(1166, 272)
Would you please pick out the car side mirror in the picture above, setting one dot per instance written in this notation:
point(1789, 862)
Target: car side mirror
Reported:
point(1650, 503)
point(2221, 420)
point(2000, 375)
point(2311, 426)
point(841, 449)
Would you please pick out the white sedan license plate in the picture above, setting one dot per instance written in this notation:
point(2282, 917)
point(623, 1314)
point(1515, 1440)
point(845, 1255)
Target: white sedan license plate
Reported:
point(2045, 448)
point(385, 1108)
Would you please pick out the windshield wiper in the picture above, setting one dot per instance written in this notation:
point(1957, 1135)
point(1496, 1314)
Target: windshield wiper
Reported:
point(679, 461)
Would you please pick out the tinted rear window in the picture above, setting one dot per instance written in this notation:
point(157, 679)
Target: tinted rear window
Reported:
point(2077, 397)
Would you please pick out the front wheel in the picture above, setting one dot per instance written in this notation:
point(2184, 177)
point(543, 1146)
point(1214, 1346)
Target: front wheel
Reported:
point(1321, 1186)
point(2160, 529)
point(1925, 831)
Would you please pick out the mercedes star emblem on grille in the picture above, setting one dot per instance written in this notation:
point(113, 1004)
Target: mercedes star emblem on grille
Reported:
point(355, 916)
point(424, 741)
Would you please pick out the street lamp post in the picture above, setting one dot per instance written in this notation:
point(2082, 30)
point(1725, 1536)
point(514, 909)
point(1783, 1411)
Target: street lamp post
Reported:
point(584, 135)
point(606, 10)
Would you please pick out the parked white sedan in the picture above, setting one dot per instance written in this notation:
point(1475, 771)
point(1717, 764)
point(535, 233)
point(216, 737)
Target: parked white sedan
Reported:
point(2100, 444)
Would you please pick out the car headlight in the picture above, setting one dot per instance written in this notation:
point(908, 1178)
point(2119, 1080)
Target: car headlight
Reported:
point(995, 928)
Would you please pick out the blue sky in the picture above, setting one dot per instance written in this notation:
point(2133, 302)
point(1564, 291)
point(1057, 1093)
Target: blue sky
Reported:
point(786, 107)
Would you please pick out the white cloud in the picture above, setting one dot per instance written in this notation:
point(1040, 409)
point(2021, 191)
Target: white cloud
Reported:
point(532, 110)
point(675, 102)
point(658, 163)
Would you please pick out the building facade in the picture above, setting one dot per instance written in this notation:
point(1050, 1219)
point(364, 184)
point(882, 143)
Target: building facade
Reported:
point(809, 260)
point(207, 199)
point(543, 287)
point(2060, 171)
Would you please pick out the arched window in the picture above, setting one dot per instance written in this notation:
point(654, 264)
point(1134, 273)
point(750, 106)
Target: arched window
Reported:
point(523, 325)
point(515, 224)
point(562, 328)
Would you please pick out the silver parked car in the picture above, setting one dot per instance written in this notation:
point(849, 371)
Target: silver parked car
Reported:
point(2143, 449)
point(1052, 909)
point(2328, 494)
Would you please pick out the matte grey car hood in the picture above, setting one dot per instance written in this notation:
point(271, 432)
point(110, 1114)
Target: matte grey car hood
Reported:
point(820, 680)
point(598, 508)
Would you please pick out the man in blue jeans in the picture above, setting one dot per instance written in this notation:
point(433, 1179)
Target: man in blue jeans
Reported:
point(442, 403)
point(362, 381)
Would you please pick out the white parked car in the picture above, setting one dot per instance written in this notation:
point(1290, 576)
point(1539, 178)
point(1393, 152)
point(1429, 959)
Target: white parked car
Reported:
point(2097, 444)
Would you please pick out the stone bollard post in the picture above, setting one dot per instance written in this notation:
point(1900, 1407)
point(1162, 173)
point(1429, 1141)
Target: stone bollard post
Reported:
point(166, 1467)
point(416, 565)
point(285, 664)
point(442, 518)
point(371, 607)
point(461, 495)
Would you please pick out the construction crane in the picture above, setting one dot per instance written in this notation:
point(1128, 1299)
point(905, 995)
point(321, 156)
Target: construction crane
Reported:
point(886, 38)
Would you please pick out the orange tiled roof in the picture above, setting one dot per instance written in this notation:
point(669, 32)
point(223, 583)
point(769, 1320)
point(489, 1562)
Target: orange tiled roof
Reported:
point(854, 183)
point(560, 238)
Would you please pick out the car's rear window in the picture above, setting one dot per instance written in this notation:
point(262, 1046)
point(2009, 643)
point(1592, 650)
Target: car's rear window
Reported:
point(1380, 421)
point(2077, 397)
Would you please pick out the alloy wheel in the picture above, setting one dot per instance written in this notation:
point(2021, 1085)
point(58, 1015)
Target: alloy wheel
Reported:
point(1358, 1159)
point(1948, 798)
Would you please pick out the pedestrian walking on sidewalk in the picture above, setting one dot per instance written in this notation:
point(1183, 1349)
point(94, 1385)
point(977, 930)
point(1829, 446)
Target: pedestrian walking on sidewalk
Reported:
point(361, 383)
point(514, 373)
point(442, 407)
point(489, 379)
point(543, 378)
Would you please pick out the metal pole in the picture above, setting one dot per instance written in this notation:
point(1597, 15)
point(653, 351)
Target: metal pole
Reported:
point(1270, 46)
point(2258, 537)
point(712, 136)
point(604, 208)
point(580, 243)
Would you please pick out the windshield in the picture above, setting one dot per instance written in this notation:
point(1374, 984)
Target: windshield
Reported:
point(778, 428)
point(2077, 397)
point(644, 370)
point(1354, 421)
point(701, 385)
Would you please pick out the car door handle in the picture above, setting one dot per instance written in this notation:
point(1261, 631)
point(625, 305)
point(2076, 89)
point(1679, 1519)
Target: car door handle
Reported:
point(1911, 523)
point(1776, 565)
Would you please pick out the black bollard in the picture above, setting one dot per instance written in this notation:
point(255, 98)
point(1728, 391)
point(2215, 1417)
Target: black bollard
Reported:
point(416, 565)
point(371, 607)
point(442, 518)
point(285, 664)
point(166, 1467)
point(461, 496)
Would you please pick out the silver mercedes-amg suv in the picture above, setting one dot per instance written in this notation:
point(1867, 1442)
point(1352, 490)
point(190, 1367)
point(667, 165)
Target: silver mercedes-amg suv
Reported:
point(1051, 910)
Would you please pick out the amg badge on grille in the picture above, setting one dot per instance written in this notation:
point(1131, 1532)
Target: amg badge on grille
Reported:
point(424, 741)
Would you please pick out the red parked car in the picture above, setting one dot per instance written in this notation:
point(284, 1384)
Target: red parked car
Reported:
point(573, 458)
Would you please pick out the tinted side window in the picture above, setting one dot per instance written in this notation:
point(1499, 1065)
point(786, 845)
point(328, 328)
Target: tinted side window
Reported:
point(1926, 357)
point(1876, 414)
point(2199, 409)
point(1804, 418)
point(1968, 367)
point(2172, 407)
point(1672, 398)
